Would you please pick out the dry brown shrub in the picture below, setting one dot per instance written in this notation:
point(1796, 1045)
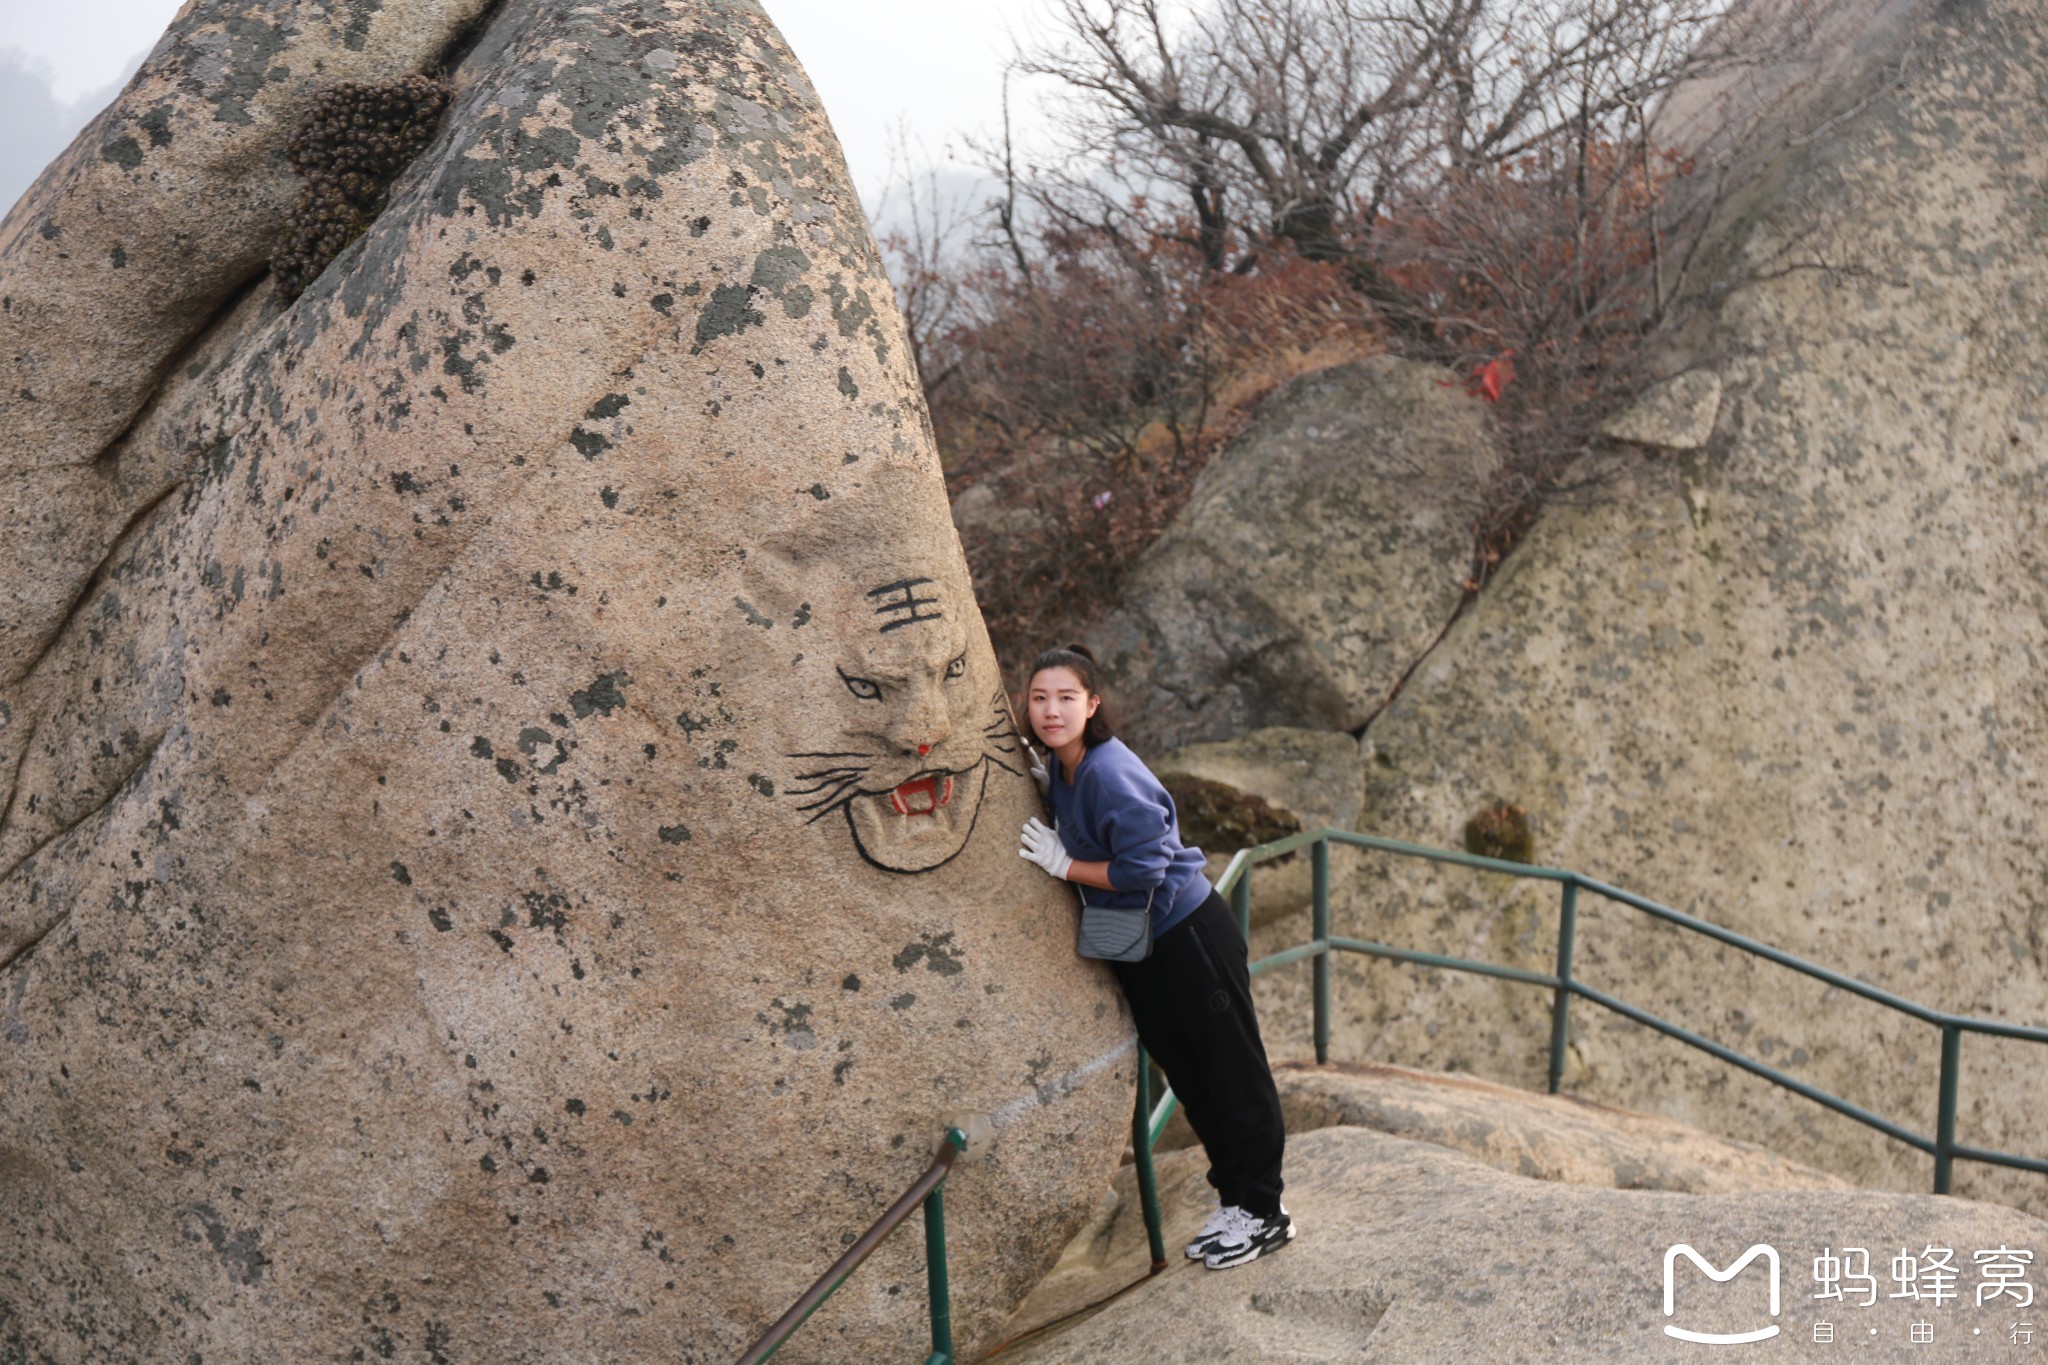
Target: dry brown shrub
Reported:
point(1082, 403)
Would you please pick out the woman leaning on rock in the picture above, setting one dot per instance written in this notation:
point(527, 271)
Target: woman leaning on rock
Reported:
point(1116, 835)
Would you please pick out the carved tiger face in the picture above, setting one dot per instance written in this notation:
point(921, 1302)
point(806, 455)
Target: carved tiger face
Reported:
point(916, 718)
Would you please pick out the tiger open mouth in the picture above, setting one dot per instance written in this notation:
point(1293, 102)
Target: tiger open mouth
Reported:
point(918, 824)
point(922, 795)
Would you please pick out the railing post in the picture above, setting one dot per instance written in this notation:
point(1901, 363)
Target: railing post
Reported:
point(1945, 1116)
point(1561, 1001)
point(1141, 1153)
point(1320, 871)
point(936, 1280)
point(1241, 901)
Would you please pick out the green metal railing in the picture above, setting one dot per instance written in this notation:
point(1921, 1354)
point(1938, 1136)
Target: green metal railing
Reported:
point(1149, 1119)
point(1943, 1147)
point(927, 1190)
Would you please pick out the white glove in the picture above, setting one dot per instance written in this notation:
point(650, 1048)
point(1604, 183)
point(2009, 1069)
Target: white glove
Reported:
point(1042, 846)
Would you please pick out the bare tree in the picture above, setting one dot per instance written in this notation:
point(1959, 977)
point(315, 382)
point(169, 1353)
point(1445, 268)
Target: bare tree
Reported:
point(923, 231)
point(1309, 121)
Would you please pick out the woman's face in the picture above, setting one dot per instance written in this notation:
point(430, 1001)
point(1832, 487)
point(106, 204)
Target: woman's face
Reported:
point(1059, 706)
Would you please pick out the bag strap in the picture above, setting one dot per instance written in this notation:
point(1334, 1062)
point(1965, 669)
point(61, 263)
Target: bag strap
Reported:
point(1081, 890)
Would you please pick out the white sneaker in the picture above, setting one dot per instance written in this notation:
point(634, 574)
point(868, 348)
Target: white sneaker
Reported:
point(1224, 1222)
point(1249, 1240)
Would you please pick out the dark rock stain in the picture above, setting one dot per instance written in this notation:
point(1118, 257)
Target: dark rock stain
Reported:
point(602, 697)
point(157, 123)
point(727, 313)
point(123, 151)
point(545, 909)
point(935, 950)
point(240, 1253)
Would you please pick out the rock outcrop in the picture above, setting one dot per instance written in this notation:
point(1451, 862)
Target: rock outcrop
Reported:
point(506, 802)
point(138, 239)
point(1411, 1252)
point(1790, 683)
point(1783, 672)
point(1677, 414)
point(1545, 1137)
point(1317, 558)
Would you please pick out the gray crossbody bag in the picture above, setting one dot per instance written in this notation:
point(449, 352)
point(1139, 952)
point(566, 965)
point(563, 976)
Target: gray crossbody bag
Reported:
point(1111, 933)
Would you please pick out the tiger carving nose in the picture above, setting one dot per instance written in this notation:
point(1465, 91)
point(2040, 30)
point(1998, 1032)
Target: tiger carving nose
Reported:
point(923, 749)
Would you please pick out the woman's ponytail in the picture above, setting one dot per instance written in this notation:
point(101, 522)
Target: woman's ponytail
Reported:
point(1080, 660)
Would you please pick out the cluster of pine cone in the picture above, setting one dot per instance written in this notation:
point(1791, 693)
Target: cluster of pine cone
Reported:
point(350, 145)
point(1501, 831)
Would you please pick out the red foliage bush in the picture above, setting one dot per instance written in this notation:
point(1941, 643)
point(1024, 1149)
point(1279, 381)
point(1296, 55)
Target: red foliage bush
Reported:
point(1540, 278)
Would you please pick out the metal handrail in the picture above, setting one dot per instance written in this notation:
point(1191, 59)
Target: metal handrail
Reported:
point(925, 1190)
point(1236, 884)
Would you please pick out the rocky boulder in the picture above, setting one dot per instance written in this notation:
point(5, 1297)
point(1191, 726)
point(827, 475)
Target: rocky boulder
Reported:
point(1319, 555)
point(1791, 682)
point(1408, 1251)
point(506, 844)
point(1545, 1137)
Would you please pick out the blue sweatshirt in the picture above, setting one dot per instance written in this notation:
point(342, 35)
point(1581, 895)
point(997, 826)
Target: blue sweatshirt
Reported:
point(1115, 811)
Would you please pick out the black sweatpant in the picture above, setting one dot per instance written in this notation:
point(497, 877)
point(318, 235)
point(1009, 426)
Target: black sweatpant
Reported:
point(1192, 1001)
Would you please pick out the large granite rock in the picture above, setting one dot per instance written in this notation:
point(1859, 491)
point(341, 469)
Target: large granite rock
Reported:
point(1545, 1137)
point(509, 855)
point(1319, 555)
point(1411, 1252)
point(1795, 687)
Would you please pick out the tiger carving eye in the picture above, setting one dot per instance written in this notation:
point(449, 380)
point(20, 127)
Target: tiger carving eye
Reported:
point(861, 687)
point(957, 668)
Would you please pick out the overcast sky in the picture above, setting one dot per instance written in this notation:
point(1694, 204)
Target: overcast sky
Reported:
point(933, 64)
